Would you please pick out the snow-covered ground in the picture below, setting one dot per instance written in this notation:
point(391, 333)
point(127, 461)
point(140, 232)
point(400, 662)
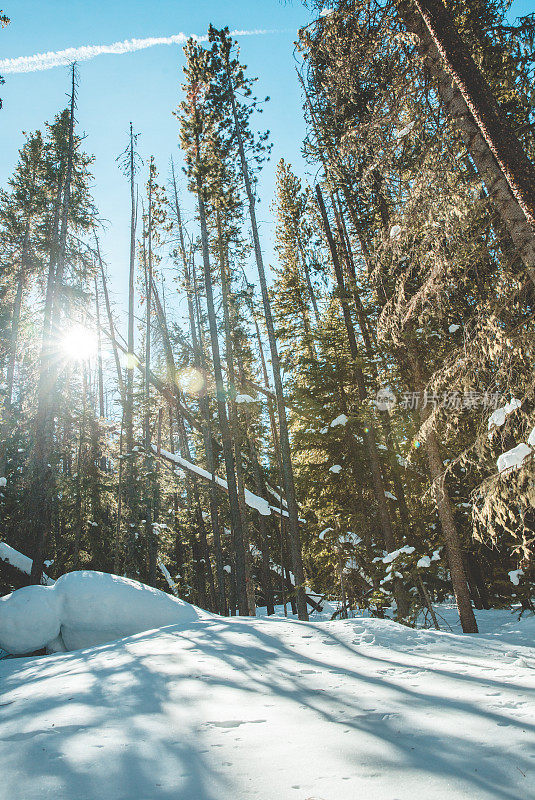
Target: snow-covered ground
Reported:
point(264, 709)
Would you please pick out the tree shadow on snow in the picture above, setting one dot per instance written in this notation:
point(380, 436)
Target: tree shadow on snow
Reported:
point(166, 755)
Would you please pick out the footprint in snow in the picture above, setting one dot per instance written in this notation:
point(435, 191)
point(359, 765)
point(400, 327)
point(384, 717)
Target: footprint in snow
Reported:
point(233, 723)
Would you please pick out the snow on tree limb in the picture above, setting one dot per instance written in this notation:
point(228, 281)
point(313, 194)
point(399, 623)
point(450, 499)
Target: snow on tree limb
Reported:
point(252, 500)
point(20, 562)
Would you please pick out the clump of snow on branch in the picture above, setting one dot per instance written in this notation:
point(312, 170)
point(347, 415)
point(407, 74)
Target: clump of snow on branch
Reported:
point(498, 417)
point(423, 562)
point(340, 420)
point(408, 549)
point(399, 134)
point(515, 575)
point(514, 458)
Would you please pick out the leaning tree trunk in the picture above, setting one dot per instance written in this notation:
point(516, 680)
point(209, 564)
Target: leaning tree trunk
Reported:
point(508, 174)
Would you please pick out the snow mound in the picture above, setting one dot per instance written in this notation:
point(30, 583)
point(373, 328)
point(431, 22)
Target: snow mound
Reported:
point(83, 609)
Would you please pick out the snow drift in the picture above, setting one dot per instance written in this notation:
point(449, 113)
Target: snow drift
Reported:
point(256, 709)
point(83, 609)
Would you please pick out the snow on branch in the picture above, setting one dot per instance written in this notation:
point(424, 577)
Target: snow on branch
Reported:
point(20, 562)
point(252, 500)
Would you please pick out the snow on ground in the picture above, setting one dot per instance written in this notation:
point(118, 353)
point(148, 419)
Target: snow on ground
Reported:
point(241, 709)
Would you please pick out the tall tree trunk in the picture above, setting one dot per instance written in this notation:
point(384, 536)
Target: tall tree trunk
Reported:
point(445, 513)
point(221, 409)
point(42, 487)
point(198, 359)
point(129, 467)
point(368, 431)
point(286, 456)
point(233, 411)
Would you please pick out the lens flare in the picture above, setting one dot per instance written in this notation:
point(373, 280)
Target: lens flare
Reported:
point(191, 381)
point(131, 361)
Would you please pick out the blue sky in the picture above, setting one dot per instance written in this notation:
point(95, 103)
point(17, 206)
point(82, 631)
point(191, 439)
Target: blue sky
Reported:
point(144, 87)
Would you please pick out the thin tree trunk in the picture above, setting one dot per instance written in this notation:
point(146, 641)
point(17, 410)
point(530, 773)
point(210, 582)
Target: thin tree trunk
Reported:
point(150, 536)
point(446, 515)
point(42, 484)
point(288, 476)
point(233, 413)
point(119, 502)
point(198, 358)
point(99, 356)
point(221, 410)
point(111, 326)
point(130, 495)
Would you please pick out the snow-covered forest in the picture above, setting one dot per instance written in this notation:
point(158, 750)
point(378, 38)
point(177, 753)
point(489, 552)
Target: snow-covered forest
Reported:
point(338, 441)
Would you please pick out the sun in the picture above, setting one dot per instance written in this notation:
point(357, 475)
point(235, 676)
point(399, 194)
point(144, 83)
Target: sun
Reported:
point(78, 343)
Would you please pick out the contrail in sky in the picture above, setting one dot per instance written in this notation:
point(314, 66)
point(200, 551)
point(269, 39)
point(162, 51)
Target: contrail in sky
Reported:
point(59, 58)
